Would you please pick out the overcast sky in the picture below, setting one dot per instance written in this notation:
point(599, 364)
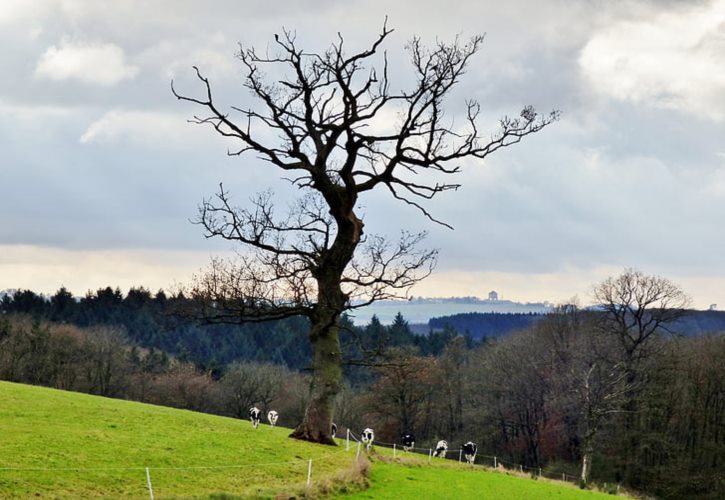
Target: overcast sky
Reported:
point(100, 173)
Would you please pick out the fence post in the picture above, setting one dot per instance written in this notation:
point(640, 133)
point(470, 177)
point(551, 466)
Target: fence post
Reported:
point(148, 483)
point(357, 456)
point(347, 440)
point(394, 450)
point(495, 465)
point(430, 454)
point(563, 476)
point(539, 471)
point(521, 468)
point(309, 472)
point(460, 454)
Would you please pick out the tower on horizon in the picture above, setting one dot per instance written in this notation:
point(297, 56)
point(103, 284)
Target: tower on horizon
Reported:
point(492, 295)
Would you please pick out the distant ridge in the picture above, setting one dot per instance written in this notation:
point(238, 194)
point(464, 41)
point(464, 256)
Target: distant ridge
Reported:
point(421, 309)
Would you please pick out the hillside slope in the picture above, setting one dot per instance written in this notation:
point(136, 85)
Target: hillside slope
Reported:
point(69, 445)
point(79, 445)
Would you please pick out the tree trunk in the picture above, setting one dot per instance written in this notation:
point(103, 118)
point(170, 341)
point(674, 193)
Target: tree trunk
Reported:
point(326, 381)
point(586, 466)
point(324, 335)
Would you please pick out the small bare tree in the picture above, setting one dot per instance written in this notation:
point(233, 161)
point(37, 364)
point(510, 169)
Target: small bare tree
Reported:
point(333, 136)
point(588, 383)
point(637, 307)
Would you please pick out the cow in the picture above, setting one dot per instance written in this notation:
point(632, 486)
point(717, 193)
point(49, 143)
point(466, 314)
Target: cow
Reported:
point(441, 449)
point(368, 436)
point(408, 440)
point(333, 429)
point(255, 414)
point(272, 417)
point(469, 452)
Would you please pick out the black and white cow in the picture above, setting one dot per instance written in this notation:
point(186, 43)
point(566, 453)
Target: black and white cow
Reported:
point(441, 449)
point(469, 452)
point(333, 429)
point(255, 415)
point(408, 440)
point(272, 417)
point(368, 436)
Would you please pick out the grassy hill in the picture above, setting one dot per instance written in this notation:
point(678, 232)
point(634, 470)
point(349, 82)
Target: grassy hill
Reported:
point(56, 444)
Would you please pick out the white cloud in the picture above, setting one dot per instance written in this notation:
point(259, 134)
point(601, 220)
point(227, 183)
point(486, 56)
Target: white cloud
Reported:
point(28, 114)
point(89, 62)
point(672, 60)
point(156, 129)
point(141, 127)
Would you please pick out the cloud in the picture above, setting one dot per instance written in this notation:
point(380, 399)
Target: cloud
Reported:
point(147, 128)
point(673, 60)
point(88, 62)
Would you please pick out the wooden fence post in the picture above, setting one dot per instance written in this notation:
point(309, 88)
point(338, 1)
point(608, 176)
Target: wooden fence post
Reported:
point(148, 483)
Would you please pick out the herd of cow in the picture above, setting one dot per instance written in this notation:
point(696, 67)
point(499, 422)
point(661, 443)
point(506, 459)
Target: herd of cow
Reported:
point(407, 439)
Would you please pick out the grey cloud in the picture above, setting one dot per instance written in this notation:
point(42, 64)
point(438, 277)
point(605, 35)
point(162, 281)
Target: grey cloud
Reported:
point(613, 183)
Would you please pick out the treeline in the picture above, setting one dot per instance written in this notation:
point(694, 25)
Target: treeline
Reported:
point(101, 361)
point(481, 326)
point(151, 320)
point(156, 321)
point(485, 325)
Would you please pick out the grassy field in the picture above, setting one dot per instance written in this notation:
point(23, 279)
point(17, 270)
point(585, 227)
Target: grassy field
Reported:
point(113, 441)
point(392, 480)
point(56, 444)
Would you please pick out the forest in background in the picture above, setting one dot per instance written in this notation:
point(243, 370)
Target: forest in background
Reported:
point(555, 394)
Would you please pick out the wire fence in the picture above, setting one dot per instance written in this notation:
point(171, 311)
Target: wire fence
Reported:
point(147, 472)
point(353, 445)
point(492, 461)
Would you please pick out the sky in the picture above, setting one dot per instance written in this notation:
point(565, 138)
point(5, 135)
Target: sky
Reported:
point(100, 173)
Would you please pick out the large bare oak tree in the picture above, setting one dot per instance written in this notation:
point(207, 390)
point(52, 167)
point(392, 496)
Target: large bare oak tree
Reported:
point(335, 129)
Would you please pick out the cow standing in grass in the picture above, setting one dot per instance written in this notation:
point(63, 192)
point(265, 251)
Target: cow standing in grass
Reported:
point(368, 436)
point(408, 440)
point(333, 429)
point(441, 449)
point(272, 417)
point(469, 452)
point(255, 415)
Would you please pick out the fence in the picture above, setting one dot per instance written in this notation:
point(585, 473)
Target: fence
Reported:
point(147, 472)
point(482, 460)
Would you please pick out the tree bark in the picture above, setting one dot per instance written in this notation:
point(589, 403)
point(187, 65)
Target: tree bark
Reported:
point(325, 385)
point(586, 465)
point(331, 303)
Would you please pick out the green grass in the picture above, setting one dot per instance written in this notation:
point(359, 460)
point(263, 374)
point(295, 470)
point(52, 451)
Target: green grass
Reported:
point(389, 480)
point(56, 444)
point(48, 429)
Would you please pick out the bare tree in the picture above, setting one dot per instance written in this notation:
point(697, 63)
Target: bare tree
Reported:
point(325, 115)
point(588, 385)
point(637, 307)
point(404, 391)
point(247, 384)
point(637, 310)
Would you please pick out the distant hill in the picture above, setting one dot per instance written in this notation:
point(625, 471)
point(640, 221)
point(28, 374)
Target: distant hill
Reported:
point(701, 323)
point(420, 310)
point(490, 324)
point(493, 324)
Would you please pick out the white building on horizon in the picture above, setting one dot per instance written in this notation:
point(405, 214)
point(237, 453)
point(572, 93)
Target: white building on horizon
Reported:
point(493, 295)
